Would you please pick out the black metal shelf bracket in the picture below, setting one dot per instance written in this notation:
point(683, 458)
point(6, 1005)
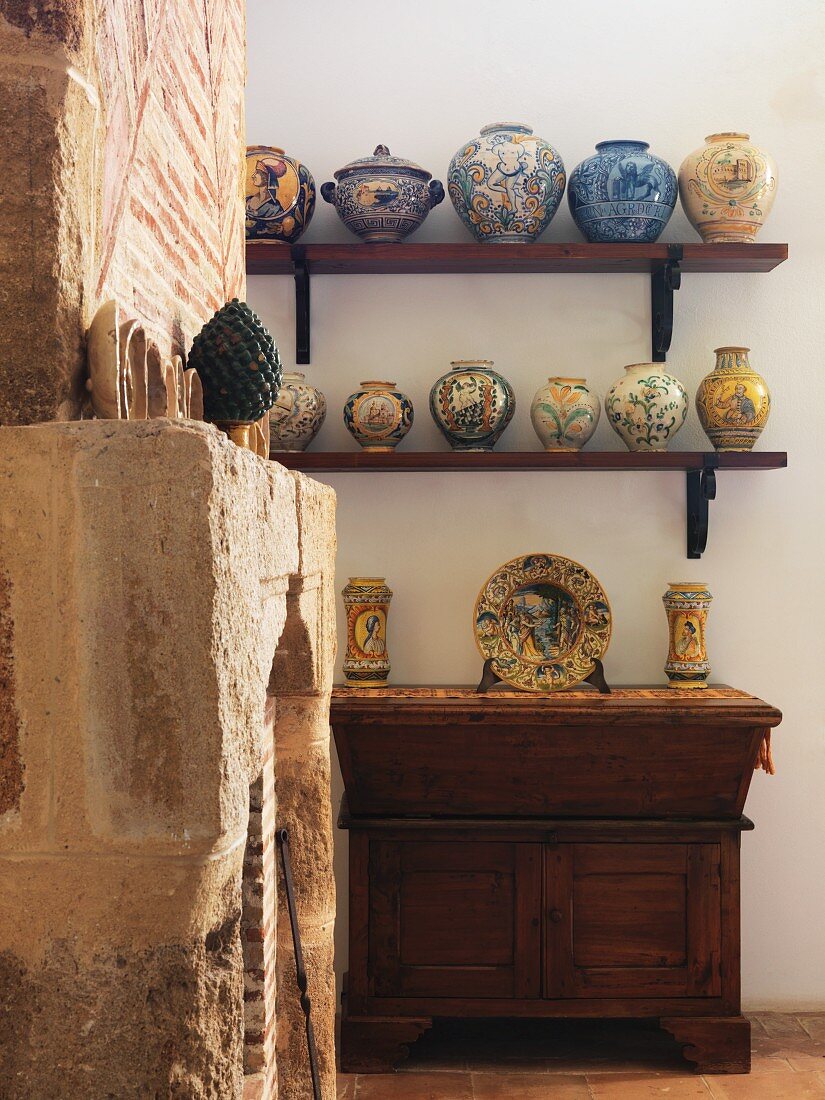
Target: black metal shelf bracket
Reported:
point(701, 489)
point(300, 269)
point(664, 280)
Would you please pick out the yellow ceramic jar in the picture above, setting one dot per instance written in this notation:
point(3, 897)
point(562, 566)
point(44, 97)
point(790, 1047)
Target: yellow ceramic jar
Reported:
point(367, 605)
point(733, 401)
point(727, 188)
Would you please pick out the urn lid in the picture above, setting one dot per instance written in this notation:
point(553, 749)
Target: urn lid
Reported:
point(381, 160)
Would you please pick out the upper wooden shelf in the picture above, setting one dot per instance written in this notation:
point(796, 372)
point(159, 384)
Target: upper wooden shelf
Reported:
point(274, 258)
point(529, 460)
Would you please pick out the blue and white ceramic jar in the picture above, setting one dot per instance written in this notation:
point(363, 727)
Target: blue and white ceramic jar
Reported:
point(622, 193)
point(472, 405)
point(378, 416)
point(506, 184)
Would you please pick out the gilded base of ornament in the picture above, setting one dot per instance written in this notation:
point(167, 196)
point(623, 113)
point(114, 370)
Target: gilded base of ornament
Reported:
point(239, 431)
point(688, 685)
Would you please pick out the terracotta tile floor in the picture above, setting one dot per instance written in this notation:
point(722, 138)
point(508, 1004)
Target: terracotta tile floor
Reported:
point(594, 1060)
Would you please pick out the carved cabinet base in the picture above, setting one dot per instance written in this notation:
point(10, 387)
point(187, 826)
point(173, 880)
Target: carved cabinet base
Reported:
point(714, 1044)
point(459, 908)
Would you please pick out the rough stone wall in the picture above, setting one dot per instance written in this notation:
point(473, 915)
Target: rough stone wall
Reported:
point(120, 176)
point(302, 684)
point(143, 614)
point(300, 688)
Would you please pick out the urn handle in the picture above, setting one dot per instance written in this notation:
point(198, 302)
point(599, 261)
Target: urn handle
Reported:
point(436, 192)
point(328, 192)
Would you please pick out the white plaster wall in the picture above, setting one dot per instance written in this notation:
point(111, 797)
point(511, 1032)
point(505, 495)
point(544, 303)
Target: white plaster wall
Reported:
point(328, 82)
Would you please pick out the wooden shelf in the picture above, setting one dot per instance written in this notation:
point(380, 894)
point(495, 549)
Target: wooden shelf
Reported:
point(700, 468)
point(663, 263)
point(411, 461)
point(274, 258)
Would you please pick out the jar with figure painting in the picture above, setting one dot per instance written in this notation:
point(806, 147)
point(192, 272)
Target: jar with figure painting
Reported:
point(280, 195)
point(686, 605)
point(366, 604)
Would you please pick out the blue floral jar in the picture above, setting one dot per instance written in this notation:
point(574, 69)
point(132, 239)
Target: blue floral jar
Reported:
point(622, 193)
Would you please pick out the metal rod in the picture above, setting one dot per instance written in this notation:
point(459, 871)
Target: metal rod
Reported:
point(300, 970)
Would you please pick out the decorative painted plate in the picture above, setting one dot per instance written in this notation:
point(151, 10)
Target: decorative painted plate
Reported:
point(542, 620)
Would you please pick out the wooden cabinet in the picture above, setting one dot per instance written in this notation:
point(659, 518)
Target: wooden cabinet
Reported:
point(459, 908)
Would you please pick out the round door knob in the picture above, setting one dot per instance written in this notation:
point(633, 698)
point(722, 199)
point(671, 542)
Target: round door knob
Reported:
point(556, 915)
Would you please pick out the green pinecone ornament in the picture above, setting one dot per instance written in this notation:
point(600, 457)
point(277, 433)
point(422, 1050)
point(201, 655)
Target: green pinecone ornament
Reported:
point(238, 365)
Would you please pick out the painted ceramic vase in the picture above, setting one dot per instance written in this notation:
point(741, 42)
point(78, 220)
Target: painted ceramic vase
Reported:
point(297, 415)
point(280, 195)
point(506, 184)
point(383, 198)
point(565, 413)
point(622, 193)
point(366, 604)
point(686, 606)
point(646, 407)
point(472, 405)
point(378, 416)
point(727, 188)
point(733, 402)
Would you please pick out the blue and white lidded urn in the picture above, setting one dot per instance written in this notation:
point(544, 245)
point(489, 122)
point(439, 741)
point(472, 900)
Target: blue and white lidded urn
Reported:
point(622, 193)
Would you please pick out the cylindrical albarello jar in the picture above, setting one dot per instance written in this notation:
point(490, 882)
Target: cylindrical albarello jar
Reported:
point(686, 605)
point(367, 605)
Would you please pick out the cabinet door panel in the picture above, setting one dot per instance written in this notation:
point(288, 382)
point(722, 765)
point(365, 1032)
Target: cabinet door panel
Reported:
point(455, 919)
point(634, 920)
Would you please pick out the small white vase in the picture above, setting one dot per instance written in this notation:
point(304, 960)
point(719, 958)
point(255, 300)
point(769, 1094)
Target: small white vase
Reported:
point(297, 415)
point(565, 413)
point(646, 407)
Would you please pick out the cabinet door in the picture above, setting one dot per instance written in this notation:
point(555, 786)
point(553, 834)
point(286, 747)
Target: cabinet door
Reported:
point(455, 919)
point(632, 920)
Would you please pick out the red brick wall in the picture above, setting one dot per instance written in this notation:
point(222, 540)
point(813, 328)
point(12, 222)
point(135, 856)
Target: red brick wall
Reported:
point(171, 238)
point(259, 927)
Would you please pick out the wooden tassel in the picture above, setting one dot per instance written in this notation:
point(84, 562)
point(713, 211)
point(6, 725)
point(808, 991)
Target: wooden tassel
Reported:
point(765, 759)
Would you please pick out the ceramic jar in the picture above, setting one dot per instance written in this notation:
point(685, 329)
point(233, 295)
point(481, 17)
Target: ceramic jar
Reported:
point(733, 402)
point(280, 195)
point(383, 198)
point(506, 184)
point(378, 416)
point(646, 407)
point(622, 193)
point(297, 415)
point(366, 604)
point(472, 405)
point(727, 188)
point(686, 606)
point(565, 413)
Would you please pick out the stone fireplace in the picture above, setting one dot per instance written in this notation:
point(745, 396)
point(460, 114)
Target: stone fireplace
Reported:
point(166, 599)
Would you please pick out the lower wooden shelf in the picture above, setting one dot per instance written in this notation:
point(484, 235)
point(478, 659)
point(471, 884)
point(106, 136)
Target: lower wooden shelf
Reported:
point(699, 466)
point(417, 461)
